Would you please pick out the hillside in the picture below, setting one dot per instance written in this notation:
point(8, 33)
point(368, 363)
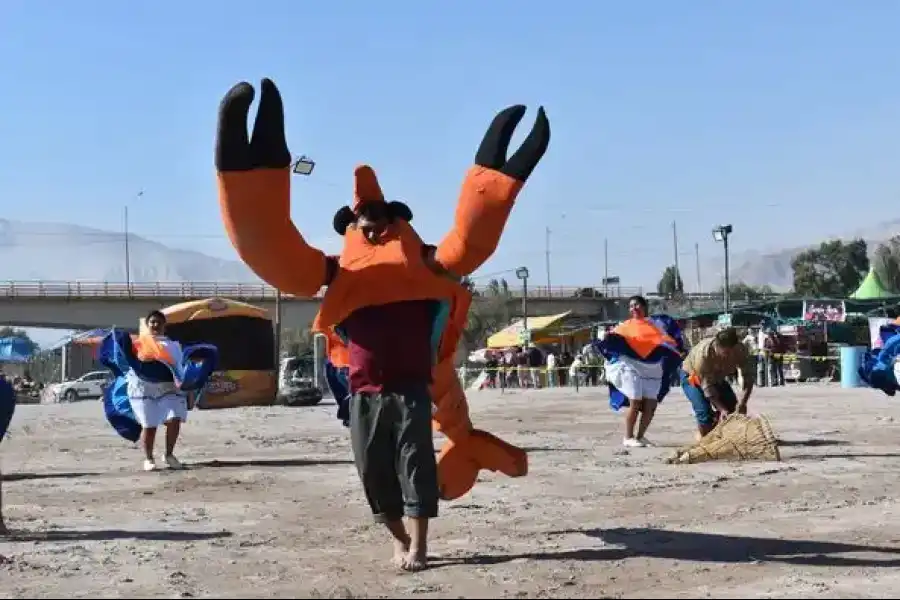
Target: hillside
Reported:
point(774, 268)
point(60, 251)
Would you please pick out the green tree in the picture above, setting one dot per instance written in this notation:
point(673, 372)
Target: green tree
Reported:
point(486, 317)
point(297, 342)
point(670, 284)
point(467, 283)
point(886, 261)
point(743, 292)
point(12, 332)
point(833, 270)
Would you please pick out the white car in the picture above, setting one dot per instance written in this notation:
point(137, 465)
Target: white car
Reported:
point(89, 385)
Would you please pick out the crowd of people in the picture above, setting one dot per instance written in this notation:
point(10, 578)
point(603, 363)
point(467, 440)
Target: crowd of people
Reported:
point(639, 382)
point(23, 385)
point(533, 367)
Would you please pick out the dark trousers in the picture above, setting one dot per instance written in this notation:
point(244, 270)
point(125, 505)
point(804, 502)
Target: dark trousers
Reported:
point(393, 450)
point(704, 412)
point(339, 384)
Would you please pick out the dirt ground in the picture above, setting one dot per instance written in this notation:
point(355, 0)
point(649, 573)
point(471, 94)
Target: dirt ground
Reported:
point(271, 507)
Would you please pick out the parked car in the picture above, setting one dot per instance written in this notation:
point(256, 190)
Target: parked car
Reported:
point(295, 387)
point(89, 385)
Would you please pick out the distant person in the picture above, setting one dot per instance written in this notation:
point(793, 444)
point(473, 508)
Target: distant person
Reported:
point(776, 346)
point(158, 403)
point(535, 365)
point(491, 367)
point(564, 363)
point(575, 370)
point(552, 374)
point(522, 367)
point(704, 376)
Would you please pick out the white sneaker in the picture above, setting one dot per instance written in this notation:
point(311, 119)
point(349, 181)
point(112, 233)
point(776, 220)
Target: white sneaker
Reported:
point(174, 463)
point(645, 442)
point(632, 443)
point(149, 465)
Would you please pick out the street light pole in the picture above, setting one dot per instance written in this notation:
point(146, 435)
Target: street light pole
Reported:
point(522, 273)
point(525, 303)
point(727, 296)
point(301, 166)
point(720, 234)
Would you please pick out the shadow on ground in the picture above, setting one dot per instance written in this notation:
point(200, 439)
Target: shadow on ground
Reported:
point(9, 477)
point(844, 455)
point(812, 443)
point(551, 449)
point(625, 543)
point(269, 462)
point(102, 535)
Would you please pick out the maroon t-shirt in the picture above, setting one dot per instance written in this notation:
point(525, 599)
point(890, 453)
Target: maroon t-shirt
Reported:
point(390, 346)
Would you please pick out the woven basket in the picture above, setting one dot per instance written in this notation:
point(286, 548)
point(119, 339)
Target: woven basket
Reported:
point(737, 438)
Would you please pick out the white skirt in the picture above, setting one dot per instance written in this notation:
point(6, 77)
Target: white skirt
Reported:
point(155, 403)
point(153, 412)
point(635, 379)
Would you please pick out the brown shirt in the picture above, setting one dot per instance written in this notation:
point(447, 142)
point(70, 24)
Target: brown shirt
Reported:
point(711, 368)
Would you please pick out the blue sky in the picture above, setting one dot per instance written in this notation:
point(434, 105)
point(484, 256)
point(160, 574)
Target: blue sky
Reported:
point(782, 118)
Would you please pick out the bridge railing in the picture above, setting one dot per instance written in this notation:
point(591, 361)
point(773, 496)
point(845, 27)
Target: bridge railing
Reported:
point(105, 289)
point(250, 291)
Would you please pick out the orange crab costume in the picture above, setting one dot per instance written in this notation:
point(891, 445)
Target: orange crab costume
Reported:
point(254, 193)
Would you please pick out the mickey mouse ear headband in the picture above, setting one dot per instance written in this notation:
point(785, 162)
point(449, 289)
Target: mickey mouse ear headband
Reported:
point(345, 217)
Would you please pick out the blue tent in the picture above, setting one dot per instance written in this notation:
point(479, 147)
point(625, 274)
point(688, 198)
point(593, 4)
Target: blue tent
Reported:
point(15, 349)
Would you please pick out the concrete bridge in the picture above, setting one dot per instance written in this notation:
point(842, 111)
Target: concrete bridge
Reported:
point(86, 305)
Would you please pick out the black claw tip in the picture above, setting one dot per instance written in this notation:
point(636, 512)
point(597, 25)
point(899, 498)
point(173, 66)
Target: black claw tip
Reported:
point(267, 148)
point(492, 152)
point(232, 141)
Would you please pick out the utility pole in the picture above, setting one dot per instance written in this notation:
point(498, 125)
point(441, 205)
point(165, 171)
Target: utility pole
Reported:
point(140, 194)
point(605, 267)
point(697, 258)
point(547, 252)
point(127, 255)
point(677, 272)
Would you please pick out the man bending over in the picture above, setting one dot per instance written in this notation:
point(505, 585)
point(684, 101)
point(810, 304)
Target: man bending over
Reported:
point(704, 376)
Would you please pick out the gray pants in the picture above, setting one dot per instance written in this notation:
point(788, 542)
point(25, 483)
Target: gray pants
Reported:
point(393, 450)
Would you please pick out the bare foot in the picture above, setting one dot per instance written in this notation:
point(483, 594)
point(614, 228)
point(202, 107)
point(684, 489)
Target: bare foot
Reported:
point(415, 560)
point(401, 549)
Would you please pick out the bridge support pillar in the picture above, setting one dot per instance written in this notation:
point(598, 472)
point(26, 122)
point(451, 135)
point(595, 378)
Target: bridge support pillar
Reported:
point(64, 362)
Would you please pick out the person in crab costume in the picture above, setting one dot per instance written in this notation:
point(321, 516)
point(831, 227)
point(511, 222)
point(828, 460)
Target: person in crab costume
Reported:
point(395, 301)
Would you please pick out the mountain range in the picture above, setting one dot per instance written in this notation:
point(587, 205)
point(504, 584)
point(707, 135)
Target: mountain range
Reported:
point(773, 268)
point(65, 252)
point(39, 251)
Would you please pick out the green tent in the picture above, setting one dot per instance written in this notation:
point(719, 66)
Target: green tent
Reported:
point(871, 288)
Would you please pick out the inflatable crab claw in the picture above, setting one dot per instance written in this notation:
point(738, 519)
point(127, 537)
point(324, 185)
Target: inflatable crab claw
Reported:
point(495, 145)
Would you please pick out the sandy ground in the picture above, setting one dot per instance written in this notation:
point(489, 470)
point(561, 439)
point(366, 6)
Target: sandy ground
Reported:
point(271, 508)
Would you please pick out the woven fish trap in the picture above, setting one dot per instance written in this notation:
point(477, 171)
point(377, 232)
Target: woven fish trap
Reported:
point(737, 438)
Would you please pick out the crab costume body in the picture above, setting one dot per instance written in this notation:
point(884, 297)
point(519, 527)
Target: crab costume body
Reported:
point(254, 193)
